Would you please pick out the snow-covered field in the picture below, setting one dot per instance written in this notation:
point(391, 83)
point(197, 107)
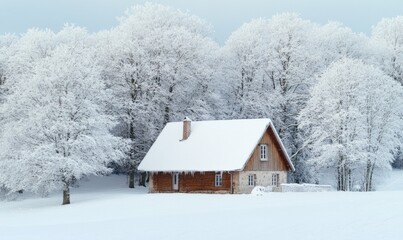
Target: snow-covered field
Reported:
point(104, 208)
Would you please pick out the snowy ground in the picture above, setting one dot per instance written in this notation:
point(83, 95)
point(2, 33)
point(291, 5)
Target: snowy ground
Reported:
point(105, 209)
point(394, 182)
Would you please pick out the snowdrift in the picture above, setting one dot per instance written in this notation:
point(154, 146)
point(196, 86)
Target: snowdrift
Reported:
point(305, 187)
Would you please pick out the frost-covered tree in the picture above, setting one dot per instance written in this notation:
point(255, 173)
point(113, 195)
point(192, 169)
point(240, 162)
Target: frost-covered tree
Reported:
point(55, 126)
point(246, 57)
point(6, 43)
point(272, 63)
point(387, 36)
point(351, 123)
point(387, 42)
point(383, 124)
point(159, 62)
point(125, 73)
point(179, 56)
point(5, 51)
point(336, 41)
point(293, 61)
point(34, 45)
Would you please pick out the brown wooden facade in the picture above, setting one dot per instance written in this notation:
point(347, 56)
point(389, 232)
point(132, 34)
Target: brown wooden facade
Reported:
point(276, 160)
point(205, 181)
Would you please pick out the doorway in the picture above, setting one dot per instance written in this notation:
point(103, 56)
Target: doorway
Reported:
point(175, 181)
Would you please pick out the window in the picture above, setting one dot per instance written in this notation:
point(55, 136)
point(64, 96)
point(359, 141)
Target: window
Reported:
point(263, 152)
point(251, 180)
point(175, 178)
point(218, 179)
point(274, 180)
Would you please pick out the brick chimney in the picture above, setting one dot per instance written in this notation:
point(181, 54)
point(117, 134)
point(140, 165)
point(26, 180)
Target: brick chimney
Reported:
point(186, 128)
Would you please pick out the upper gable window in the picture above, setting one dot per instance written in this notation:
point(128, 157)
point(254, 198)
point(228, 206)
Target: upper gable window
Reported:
point(263, 152)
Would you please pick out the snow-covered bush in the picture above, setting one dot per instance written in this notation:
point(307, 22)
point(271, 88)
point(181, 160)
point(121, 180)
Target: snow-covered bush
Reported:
point(258, 190)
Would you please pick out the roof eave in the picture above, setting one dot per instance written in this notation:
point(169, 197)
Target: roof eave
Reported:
point(282, 147)
point(183, 170)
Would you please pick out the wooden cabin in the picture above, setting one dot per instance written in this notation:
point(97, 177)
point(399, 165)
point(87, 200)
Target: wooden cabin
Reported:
point(226, 156)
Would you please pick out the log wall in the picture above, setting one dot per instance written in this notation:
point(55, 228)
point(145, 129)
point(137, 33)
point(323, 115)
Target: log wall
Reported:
point(188, 182)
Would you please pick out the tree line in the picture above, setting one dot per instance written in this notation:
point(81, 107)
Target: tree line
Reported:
point(74, 103)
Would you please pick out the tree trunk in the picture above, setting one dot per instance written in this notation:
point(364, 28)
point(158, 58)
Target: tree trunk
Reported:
point(366, 185)
point(344, 180)
point(340, 177)
point(167, 111)
point(166, 115)
point(131, 178)
point(66, 194)
point(132, 154)
point(143, 179)
point(369, 175)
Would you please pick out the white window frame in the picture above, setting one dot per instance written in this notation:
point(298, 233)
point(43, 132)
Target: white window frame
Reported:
point(263, 152)
point(251, 180)
point(218, 180)
point(274, 179)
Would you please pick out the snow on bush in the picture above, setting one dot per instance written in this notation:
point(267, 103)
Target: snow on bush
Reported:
point(258, 190)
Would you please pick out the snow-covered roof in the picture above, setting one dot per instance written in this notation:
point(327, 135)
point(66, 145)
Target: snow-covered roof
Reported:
point(223, 145)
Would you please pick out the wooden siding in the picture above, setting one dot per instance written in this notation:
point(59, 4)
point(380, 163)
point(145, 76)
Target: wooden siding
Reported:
point(276, 160)
point(196, 182)
point(162, 182)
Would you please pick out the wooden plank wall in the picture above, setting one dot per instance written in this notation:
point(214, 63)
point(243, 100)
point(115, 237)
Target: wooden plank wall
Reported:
point(162, 182)
point(197, 182)
point(276, 161)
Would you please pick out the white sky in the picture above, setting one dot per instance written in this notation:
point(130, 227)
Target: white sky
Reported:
point(16, 16)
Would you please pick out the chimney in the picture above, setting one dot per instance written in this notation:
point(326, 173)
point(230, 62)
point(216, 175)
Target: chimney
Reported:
point(186, 128)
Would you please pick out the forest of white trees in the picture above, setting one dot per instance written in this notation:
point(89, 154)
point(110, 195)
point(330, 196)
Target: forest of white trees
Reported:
point(74, 103)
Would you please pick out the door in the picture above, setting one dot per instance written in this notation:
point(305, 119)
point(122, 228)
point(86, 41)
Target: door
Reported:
point(175, 181)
